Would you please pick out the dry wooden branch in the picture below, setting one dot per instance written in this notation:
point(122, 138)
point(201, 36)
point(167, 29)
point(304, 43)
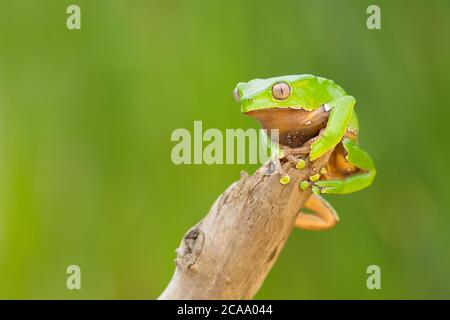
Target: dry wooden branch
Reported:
point(230, 252)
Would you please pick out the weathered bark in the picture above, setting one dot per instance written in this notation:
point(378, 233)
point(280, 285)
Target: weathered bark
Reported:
point(230, 252)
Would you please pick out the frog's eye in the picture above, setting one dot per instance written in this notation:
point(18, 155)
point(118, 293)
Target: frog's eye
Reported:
point(237, 97)
point(281, 90)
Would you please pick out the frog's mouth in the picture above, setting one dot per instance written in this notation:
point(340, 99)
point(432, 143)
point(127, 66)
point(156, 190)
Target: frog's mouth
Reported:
point(296, 126)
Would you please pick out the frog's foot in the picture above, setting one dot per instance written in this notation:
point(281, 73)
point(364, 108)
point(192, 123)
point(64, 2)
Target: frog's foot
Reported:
point(296, 156)
point(325, 216)
point(356, 181)
point(312, 182)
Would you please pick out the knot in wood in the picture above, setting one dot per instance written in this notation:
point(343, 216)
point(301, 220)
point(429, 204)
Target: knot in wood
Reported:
point(191, 247)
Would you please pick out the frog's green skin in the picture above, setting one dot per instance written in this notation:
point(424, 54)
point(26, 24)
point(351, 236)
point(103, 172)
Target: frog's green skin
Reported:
point(308, 93)
point(313, 104)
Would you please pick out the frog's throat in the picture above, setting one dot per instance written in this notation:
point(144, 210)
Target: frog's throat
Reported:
point(295, 126)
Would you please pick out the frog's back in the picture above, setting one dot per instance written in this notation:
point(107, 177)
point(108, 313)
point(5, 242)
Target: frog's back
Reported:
point(306, 91)
point(319, 90)
point(310, 91)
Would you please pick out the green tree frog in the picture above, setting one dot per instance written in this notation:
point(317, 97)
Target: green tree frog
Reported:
point(305, 108)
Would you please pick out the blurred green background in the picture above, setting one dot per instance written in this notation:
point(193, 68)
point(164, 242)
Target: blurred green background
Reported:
point(86, 117)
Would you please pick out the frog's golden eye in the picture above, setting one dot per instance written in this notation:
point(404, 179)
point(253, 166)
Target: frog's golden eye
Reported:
point(281, 90)
point(237, 97)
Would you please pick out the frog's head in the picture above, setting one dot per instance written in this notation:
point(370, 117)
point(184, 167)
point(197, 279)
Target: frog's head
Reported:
point(293, 91)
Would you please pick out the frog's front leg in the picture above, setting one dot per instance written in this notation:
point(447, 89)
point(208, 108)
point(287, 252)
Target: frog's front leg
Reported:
point(325, 216)
point(340, 116)
point(355, 182)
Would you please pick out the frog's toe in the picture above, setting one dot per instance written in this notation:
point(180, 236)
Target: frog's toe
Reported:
point(285, 179)
point(315, 183)
point(329, 186)
point(300, 164)
point(315, 190)
point(304, 185)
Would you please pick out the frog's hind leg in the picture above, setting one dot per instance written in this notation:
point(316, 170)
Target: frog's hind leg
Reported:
point(357, 171)
point(325, 216)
